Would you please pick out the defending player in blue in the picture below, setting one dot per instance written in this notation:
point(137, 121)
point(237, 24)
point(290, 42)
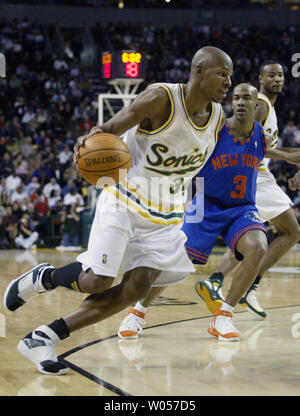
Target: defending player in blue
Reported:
point(229, 204)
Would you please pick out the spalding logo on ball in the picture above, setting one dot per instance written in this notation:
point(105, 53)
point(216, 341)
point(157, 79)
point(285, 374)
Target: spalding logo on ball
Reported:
point(103, 155)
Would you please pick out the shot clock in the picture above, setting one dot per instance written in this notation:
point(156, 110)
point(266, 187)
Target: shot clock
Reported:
point(123, 64)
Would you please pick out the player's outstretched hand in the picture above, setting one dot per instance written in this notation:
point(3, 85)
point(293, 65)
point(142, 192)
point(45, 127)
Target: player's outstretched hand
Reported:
point(80, 142)
point(294, 158)
point(294, 182)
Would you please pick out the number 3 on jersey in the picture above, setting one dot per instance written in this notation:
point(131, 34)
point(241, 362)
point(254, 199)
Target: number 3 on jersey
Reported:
point(240, 186)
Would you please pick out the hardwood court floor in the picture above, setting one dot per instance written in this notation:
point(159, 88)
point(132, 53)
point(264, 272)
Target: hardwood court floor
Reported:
point(175, 356)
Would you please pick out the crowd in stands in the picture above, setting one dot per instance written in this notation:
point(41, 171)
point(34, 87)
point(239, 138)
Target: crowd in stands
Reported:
point(45, 105)
point(47, 101)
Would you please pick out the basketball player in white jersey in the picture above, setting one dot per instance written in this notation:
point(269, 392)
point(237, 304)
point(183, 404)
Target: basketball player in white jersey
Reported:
point(272, 203)
point(131, 325)
point(171, 130)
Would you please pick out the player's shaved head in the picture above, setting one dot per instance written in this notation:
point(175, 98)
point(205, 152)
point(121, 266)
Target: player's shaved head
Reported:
point(244, 87)
point(211, 69)
point(210, 56)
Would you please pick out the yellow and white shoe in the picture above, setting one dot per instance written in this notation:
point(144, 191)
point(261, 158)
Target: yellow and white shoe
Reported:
point(250, 302)
point(210, 291)
point(221, 326)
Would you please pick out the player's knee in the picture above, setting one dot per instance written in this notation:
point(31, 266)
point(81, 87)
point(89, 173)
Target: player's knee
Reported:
point(96, 284)
point(294, 234)
point(259, 247)
point(139, 283)
point(256, 247)
point(262, 247)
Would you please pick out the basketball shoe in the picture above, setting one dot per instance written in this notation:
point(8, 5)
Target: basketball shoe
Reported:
point(20, 290)
point(250, 302)
point(210, 291)
point(38, 347)
point(221, 326)
point(131, 326)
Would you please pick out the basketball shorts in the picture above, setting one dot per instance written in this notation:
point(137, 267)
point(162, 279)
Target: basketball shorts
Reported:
point(122, 239)
point(230, 223)
point(271, 201)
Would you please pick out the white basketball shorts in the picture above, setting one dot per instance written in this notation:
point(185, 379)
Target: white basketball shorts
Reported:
point(125, 238)
point(271, 201)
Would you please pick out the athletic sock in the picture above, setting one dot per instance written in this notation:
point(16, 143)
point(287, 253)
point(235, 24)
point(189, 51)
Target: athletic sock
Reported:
point(47, 281)
point(256, 281)
point(139, 307)
point(226, 307)
point(67, 276)
point(60, 328)
point(217, 276)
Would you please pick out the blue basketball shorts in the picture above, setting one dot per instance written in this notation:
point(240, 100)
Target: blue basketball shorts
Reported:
point(229, 223)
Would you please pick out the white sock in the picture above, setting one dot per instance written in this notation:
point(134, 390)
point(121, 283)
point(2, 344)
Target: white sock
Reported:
point(227, 307)
point(139, 307)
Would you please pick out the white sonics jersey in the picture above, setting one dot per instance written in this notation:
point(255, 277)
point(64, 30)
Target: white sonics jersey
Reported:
point(270, 128)
point(165, 160)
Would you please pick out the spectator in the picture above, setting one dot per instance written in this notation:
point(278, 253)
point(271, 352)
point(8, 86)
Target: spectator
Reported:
point(65, 156)
point(6, 165)
point(60, 65)
point(70, 221)
point(41, 202)
point(26, 238)
point(12, 182)
point(17, 209)
point(53, 199)
point(9, 218)
point(20, 195)
point(13, 147)
point(4, 198)
point(50, 186)
point(28, 116)
point(33, 185)
point(67, 188)
point(73, 197)
point(27, 148)
point(38, 222)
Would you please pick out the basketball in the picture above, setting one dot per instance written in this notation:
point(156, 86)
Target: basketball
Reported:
point(103, 155)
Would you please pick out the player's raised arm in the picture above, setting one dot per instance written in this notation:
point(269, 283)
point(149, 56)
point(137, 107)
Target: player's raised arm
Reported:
point(151, 108)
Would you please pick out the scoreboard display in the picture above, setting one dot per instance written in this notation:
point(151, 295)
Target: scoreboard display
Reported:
point(123, 64)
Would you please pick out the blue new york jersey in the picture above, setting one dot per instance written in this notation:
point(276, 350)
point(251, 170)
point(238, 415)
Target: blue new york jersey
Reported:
point(230, 173)
point(229, 195)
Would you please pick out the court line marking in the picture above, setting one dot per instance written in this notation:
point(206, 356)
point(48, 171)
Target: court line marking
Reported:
point(110, 386)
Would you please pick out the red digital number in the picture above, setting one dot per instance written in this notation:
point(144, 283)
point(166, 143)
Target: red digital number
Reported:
point(132, 69)
point(107, 70)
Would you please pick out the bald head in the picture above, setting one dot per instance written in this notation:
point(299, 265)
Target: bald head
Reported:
point(210, 56)
point(244, 102)
point(211, 69)
point(246, 88)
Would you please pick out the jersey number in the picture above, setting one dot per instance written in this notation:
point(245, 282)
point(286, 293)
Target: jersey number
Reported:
point(240, 186)
point(178, 184)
